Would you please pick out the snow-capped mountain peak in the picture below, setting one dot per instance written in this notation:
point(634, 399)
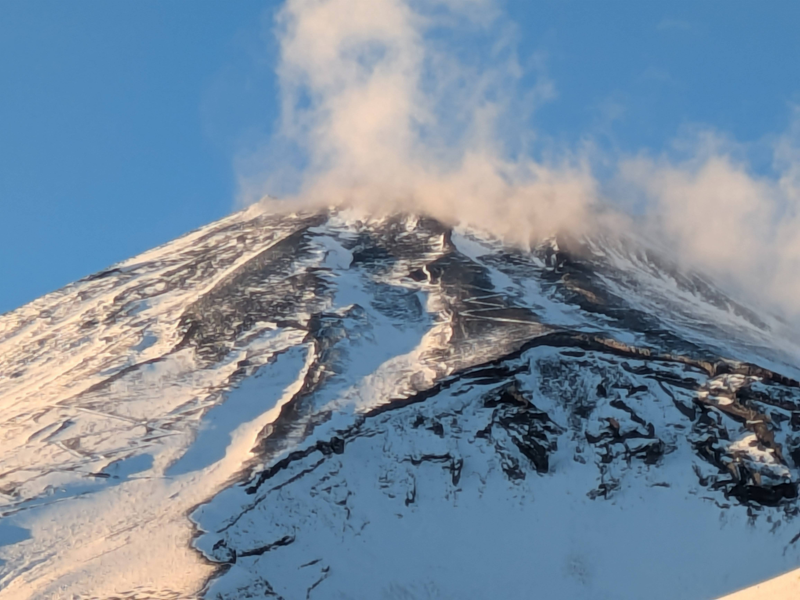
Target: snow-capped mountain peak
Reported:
point(328, 404)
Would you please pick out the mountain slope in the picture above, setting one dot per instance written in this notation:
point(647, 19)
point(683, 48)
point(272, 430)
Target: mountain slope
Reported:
point(333, 405)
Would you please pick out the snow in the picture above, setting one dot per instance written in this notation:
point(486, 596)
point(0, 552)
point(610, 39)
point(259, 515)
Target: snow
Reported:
point(784, 586)
point(125, 441)
point(749, 449)
point(353, 527)
point(69, 451)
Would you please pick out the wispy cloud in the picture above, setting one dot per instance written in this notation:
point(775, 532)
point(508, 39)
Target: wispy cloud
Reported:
point(721, 217)
point(395, 105)
point(668, 24)
point(390, 105)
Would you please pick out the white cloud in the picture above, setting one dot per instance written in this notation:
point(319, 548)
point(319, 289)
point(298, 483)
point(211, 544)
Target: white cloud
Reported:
point(722, 218)
point(403, 105)
point(386, 114)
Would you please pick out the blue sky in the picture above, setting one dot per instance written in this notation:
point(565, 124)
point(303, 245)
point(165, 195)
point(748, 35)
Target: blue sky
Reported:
point(121, 122)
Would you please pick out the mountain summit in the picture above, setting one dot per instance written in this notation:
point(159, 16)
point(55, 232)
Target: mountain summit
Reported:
point(331, 405)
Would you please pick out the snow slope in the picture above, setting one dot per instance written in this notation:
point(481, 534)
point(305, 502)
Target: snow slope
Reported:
point(335, 405)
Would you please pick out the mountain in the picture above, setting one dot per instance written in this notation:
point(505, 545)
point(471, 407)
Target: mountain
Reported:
point(328, 404)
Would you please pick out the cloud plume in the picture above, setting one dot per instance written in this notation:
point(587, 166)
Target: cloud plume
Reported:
point(719, 216)
point(382, 113)
point(426, 107)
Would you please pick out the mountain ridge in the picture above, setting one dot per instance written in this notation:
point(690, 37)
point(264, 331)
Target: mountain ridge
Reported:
point(186, 380)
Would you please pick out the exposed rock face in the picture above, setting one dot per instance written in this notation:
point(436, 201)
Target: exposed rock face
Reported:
point(390, 408)
point(613, 420)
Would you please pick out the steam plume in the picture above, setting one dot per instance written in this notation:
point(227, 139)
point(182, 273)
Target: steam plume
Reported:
point(387, 105)
point(721, 217)
point(386, 118)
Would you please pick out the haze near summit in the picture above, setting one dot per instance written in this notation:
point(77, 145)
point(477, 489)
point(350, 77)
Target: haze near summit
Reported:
point(426, 106)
